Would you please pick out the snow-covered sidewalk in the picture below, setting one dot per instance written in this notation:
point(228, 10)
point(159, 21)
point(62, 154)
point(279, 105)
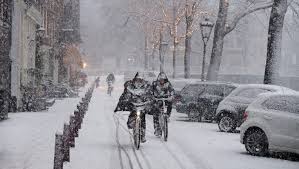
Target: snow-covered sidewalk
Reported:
point(27, 138)
point(105, 142)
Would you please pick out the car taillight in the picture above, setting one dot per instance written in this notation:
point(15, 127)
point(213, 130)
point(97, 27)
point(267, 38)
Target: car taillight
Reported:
point(245, 116)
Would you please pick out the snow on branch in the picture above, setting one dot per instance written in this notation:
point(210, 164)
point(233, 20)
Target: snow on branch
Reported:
point(231, 26)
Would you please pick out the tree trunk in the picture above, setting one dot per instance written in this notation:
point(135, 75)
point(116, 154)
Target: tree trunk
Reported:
point(187, 62)
point(219, 34)
point(278, 12)
point(175, 46)
point(153, 58)
point(161, 60)
point(146, 59)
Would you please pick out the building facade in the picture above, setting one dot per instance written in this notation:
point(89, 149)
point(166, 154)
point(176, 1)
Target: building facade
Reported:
point(70, 40)
point(48, 39)
point(26, 18)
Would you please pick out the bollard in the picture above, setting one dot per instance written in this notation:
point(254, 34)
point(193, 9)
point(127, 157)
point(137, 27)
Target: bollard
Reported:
point(72, 131)
point(66, 142)
point(77, 123)
point(81, 111)
point(58, 154)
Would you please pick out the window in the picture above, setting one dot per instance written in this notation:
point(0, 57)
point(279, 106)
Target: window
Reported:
point(192, 90)
point(252, 93)
point(214, 90)
point(228, 90)
point(283, 103)
point(277, 103)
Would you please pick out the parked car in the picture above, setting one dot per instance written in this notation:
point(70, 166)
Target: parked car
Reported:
point(272, 124)
point(200, 100)
point(230, 111)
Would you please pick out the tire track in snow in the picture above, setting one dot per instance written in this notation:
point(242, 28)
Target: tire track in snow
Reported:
point(146, 160)
point(197, 162)
point(176, 158)
point(133, 147)
point(120, 147)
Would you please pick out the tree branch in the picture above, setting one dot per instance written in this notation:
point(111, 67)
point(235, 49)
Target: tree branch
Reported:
point(235, 21)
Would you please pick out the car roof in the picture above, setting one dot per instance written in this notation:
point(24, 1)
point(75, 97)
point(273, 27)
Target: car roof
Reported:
point(266, 86)
point(214, 83)
point(264, 96)
point(273, 94)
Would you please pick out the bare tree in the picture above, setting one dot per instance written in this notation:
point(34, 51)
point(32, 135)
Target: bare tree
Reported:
point(190, 12)
point(222, 28)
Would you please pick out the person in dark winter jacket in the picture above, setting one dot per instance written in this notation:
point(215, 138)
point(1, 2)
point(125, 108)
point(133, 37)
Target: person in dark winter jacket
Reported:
point(110, 78)
point(97, 82)
point(161, 88)
point(136, 89)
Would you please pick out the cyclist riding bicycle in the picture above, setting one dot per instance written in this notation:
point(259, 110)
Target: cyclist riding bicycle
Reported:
point(161, 88)
point(135, 89)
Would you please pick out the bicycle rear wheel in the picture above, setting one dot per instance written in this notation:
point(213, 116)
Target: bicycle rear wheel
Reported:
point(137, 133)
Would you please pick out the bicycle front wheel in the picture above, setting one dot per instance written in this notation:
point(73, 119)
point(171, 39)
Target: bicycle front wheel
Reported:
point(137, 133)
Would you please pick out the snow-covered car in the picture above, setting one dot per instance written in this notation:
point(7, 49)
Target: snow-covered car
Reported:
point(271, 124)
point(229, 113)
point(200, 100)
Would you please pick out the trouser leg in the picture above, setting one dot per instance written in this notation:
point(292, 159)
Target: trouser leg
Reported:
point(131, 119)
point(157, 126)
point(169, 108)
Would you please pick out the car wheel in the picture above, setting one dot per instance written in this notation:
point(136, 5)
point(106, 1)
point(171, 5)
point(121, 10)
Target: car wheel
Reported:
point(256, 142)
point(206, 116)
point(194, 115)
point(227, 123)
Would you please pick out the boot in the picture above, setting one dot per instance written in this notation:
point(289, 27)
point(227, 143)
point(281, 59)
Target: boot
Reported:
point(143, 139)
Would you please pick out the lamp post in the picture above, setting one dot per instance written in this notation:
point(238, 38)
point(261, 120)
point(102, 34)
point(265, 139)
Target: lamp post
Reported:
point(206, 28)
point(163, 47)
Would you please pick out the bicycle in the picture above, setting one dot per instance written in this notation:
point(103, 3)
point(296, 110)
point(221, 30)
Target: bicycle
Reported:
point(163, 116)
point(139, 108)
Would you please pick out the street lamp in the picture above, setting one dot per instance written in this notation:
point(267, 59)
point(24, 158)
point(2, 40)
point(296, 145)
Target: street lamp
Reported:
point(206, 28)
point(163, 48)
point(84, 65)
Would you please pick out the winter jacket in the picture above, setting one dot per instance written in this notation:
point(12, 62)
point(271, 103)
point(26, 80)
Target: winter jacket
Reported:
point(165, 90)
point(110, 78)
point(132, 93)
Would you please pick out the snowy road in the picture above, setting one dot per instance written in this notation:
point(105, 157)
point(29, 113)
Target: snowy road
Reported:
point(105, 142)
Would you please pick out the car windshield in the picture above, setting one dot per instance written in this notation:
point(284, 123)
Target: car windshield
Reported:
point(192, 90)
point(214, 90)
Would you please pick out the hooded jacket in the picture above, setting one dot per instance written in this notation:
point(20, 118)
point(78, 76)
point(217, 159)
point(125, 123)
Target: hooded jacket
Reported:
point(165, 90)
point(131, 90)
